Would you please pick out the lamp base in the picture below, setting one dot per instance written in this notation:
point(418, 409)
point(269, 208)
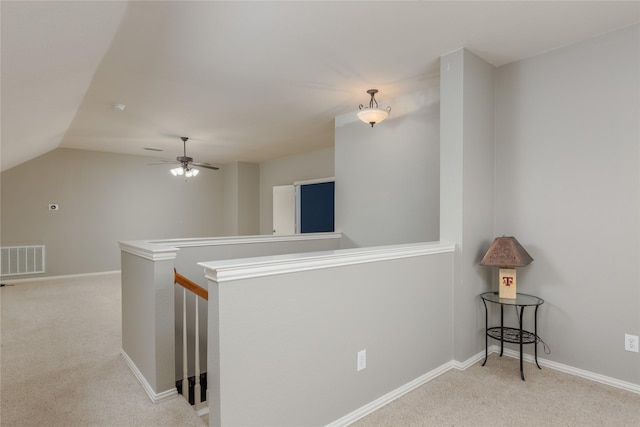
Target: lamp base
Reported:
point(507, 283)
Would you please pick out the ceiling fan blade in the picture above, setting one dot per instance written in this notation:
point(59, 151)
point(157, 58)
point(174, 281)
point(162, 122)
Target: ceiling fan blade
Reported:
point(165, 162)
point(206, 165)
point(185, 161)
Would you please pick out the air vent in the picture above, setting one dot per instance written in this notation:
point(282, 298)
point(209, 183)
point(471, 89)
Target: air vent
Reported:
point(15, 260)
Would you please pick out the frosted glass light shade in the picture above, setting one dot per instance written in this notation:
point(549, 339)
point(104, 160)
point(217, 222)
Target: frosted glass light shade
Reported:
point(373, 115)
point(177, 171)
point(191, 172)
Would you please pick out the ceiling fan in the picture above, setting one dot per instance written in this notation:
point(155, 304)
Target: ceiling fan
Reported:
point(186, 163)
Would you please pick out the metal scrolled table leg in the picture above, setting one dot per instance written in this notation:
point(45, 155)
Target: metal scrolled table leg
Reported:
point(486, 333)
point(535, 332)
point(501, 329)
point(521, 364)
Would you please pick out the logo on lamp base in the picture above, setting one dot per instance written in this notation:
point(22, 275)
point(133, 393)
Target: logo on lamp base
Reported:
point(507, 283)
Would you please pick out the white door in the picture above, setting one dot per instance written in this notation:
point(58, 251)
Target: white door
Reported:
point(284, 210)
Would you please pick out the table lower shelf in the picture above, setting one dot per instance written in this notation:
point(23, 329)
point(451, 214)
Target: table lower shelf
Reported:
point(512, 335)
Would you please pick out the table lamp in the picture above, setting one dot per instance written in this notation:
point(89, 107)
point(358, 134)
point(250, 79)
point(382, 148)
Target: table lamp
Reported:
point(506, 253)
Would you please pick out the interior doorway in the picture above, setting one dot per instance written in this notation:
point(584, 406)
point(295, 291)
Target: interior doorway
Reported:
point(304, 207)
point(284, 210)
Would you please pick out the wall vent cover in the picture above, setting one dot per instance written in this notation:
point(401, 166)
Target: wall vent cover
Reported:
point(16, 260)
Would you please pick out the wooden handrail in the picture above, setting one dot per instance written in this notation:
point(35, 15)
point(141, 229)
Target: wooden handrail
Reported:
point(192, 286)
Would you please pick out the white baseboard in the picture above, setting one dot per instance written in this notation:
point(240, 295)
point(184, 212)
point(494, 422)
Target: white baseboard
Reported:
point(624, 385)
point(469, 362)
point(68, 276)
point(155, 397)
point(454, 364)
point(390, 397)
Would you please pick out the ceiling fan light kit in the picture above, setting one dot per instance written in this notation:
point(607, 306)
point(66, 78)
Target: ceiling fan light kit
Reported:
point(188, 173)
point(373, 113)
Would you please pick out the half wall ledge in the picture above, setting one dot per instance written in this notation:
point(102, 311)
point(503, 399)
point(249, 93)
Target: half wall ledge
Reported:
point(244, 268)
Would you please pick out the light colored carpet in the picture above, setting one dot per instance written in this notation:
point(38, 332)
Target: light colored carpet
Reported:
point(494, 395)
point(61, 361)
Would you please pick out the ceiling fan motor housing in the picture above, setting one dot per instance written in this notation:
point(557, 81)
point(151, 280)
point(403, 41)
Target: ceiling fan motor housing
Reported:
point(184, 159)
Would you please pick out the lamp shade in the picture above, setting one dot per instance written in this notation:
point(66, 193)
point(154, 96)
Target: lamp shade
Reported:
point(506, 252)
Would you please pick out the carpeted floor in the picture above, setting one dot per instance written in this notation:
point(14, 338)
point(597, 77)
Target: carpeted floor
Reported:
point(61, 362)
point(494, 395)
point(61, 366)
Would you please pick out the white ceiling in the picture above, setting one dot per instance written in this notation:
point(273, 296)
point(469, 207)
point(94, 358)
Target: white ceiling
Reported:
point(246, 81)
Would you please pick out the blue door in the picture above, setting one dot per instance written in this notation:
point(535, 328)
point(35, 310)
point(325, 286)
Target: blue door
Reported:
point(317, 207)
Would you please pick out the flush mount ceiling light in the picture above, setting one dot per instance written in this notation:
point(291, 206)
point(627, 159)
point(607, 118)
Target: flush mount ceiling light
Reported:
point(373, 113)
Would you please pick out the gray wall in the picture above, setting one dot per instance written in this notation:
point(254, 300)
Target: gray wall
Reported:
point(107, 197)
point(467, 153)
point(103, 198)
point(286, 171)
point(230, 201)
point(387, 177)
point(241, 199)
point(568, 185)
point(148, 322)
point(284, 347)
point(248, 199)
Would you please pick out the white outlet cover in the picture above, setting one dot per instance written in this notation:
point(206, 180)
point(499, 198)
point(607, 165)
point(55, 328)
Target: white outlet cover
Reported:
point(362, 360)
point(631, 343)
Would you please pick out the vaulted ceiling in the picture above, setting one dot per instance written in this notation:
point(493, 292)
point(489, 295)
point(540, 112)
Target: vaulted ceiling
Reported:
point(246, 81)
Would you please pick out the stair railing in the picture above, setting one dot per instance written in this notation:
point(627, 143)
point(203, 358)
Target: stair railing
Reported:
point(188, 285)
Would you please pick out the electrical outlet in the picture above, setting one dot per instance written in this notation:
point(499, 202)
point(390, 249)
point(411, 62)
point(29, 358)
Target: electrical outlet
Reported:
point(631, 343)
point(362, 360)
